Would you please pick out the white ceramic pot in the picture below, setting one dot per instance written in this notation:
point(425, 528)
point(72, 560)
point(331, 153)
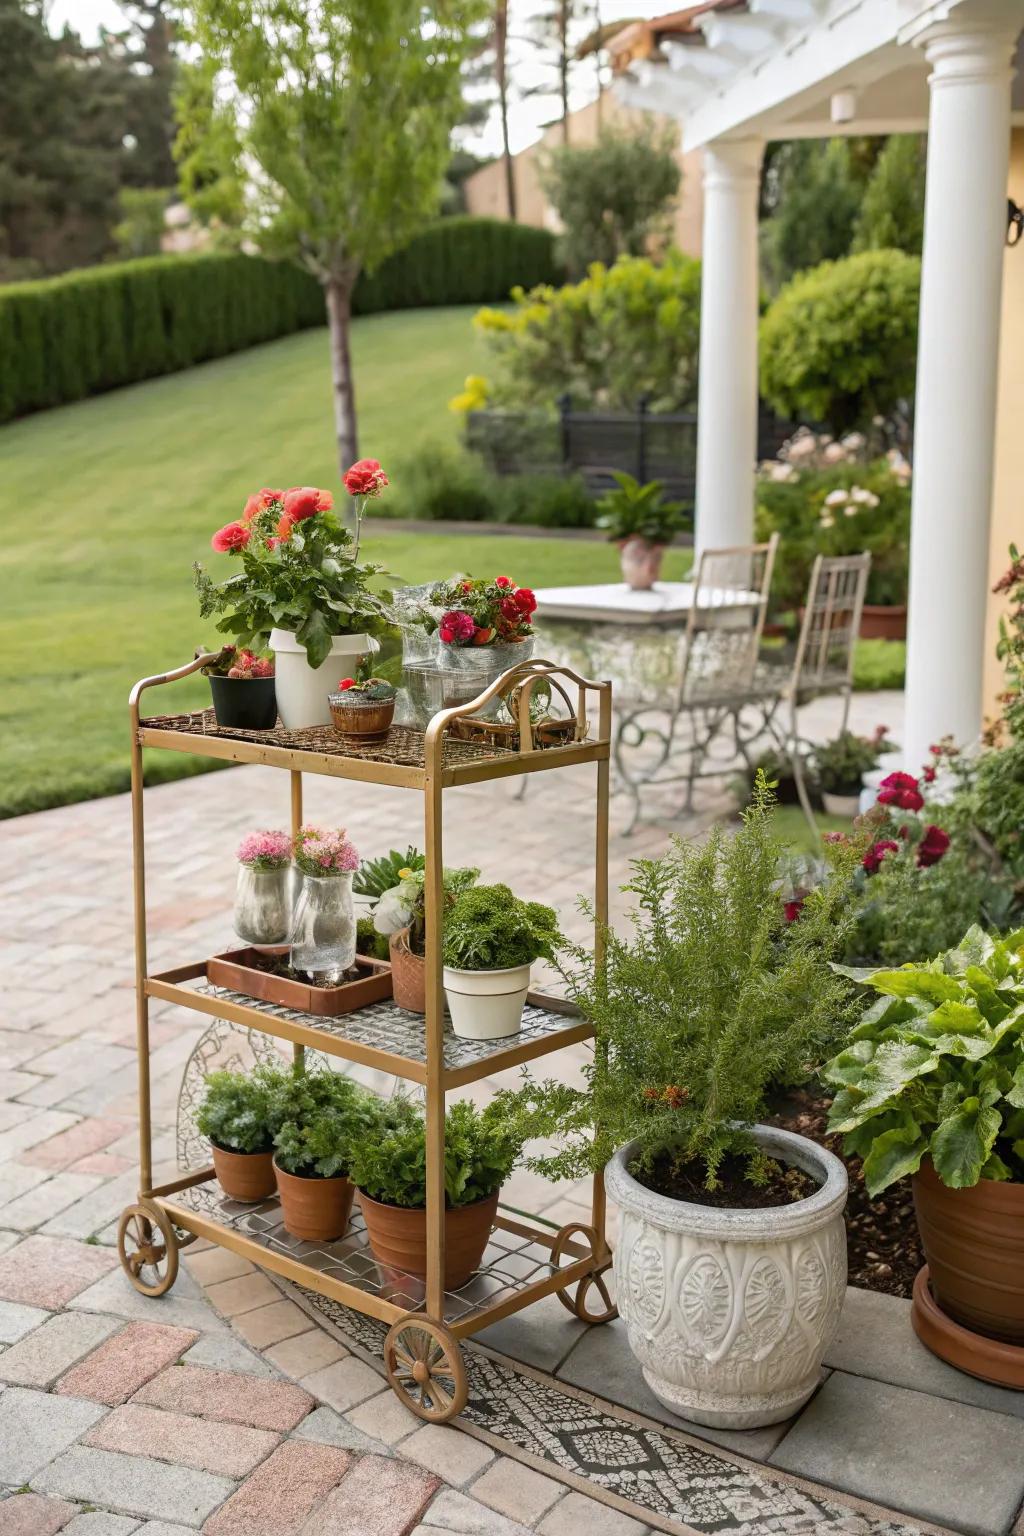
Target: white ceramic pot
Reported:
point(729, 1312)
point(486, 1005)
point(301, 689)
point(841, 805)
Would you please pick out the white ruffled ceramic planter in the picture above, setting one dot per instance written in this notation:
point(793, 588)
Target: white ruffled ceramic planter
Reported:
point(729, 1312)
point(302, 690)
point(486, 1005)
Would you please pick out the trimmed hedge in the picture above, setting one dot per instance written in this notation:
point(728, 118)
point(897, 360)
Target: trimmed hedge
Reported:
point(64, 338)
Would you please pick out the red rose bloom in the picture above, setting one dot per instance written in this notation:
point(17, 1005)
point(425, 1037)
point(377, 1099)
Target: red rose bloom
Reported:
point(793, 908)
point(900, 789)
point(503, 581)
point(932, 846)
point(304, 501)
point(231, 536)
point(365, 478)
point(525, 600)
point(510, 610)
point(872, 860)
point(928, 774)
point(259, 503)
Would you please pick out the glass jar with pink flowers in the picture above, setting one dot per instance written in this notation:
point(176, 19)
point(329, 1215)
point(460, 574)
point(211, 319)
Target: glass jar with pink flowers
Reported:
point(324, 930)
point(263, 899)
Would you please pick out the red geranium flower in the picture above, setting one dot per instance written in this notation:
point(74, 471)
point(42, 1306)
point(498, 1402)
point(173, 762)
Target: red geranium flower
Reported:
point(793, 908)
point(510, 609)
point(365, 478)
point(900, 789)
point(928, 773)
point(525, 600)
point(456, 626)
point(932, 846)
point(259, 503)
point(303, 501)
point(503, 581)
point(872, 860)
point(231, 536)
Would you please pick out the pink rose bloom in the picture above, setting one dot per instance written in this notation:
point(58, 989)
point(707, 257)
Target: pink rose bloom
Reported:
point(231, 536)
point(303, 501)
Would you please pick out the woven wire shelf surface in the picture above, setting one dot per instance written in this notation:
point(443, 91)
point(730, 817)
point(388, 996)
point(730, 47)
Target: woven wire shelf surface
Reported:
point(403, 747)
point(510, 1262)
point(386, 1027)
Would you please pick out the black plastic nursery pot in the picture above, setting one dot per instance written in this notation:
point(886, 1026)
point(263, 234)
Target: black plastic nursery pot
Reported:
point(244, 703)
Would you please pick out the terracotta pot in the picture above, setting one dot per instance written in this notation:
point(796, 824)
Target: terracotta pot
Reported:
point(398, 1237)
point(361, 720)
point(883, 621)
point(641, 562)
point(245, 1176)
point(973, 1242)
point(408, 974)
point(317, 1209)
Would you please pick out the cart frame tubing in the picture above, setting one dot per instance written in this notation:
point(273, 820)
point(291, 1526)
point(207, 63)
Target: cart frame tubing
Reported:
point(529, 674)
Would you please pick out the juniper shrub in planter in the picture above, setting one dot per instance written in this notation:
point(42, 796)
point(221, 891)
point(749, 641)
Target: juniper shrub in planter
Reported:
point(236, 1116)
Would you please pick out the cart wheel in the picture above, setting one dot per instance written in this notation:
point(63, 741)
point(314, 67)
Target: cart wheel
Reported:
point(148, 1247)
point(425, 1367)
point(578, 1300)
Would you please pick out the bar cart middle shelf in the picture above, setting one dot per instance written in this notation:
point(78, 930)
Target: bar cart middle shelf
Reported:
point(527, 1257)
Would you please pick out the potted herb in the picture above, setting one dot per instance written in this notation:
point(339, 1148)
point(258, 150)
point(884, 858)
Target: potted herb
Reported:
point(931, 1085)
point(263, 903)
point(639, 519)
point(840, 766)
point(363, 711)
point(319, 1118)
point(401, 914)
point(235, 1115)
point(323, 939)
point(491, 939)
point(389, 1168)
point(242, 689)
point(301, 588)
point(731, 1263)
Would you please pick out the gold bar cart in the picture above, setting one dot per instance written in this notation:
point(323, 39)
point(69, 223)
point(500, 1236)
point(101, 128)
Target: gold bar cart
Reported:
point(527, 1257)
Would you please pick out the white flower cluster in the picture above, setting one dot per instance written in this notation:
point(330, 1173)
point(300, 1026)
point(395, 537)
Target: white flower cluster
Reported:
point(848, 502)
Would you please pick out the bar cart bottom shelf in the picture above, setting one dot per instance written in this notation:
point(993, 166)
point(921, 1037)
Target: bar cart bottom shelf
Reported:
point(526, 1258)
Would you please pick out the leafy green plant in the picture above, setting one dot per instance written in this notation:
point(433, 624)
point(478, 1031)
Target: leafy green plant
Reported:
point(369, 941)
point(318, 1118)
point(405, 905)
point(487, 928)
point(480, 1150)
point(639, 511)
point(1010, 646)
point(375, 876)
point(236, 1112)
point(710, 997)
point(936, 1067)
point(840, 764)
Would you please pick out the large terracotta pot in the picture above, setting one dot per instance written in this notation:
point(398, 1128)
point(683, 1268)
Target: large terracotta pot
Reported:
point(641, 562)
point(729, 1312)
point(244, 1176)
point(973, 1242)
point(883, 621)
point(398, 1237)
point(408, 974)
point(313, 1208)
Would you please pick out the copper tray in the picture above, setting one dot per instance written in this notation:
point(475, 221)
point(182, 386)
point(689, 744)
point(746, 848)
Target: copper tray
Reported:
point(236, 971)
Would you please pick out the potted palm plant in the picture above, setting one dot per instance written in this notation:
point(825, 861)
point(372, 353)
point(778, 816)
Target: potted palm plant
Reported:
point(931, 1087)
point(236, 1116)
point(301, 588)
point(401, 914)
point(491, 939)
point(731, 1262)
point(318, 1119)
point(389, 1168)
point(840, 766)
point(642, 523)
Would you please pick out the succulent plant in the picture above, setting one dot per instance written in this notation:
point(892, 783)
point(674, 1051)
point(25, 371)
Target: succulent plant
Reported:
point(373, 689)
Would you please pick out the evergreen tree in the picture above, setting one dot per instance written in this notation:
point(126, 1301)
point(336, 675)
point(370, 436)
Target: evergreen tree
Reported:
point(613, 197)
point(892, 213)
point(813, 197)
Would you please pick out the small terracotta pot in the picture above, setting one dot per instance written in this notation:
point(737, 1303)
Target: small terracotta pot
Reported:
point(245, 1176)
point(408, 974)
point(641, 562)
point(398, 1237)
point(317, 1209)
point(356, 719)
point(883, 621)
point(973, 1241)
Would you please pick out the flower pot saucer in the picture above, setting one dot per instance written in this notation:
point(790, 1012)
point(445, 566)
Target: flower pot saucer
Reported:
point(989, 1359)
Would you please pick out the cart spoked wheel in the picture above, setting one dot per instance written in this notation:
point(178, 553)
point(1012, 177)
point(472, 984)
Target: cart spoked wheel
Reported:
point(425, 1367)
point(590, 1299)
point(148, 1247)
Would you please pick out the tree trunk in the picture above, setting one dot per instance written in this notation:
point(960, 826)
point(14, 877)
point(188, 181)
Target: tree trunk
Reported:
point(501, 71)
point(338, 292)
point(563, 64)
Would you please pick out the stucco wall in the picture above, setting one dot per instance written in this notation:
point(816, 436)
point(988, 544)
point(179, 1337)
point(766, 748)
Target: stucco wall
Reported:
point(485, 189)
point(1008, 497)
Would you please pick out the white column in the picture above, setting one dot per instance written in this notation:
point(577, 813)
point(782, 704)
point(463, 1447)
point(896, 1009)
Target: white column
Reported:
point(727, 399)
point(957, 362)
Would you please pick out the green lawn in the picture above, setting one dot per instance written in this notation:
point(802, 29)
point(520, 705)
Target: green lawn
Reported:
point(108, 503)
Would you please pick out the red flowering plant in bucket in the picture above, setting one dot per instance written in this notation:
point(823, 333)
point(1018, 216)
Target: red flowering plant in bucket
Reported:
point(298, 570)
point(481, 612)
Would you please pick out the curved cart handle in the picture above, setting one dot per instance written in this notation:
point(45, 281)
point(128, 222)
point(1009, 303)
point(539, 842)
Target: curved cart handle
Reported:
point(203, 660)
point(525, 674)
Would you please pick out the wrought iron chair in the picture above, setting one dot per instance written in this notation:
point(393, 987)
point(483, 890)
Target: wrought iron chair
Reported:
point(714, 679)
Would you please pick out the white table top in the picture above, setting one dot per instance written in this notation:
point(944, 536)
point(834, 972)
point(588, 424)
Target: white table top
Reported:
point(616, 603)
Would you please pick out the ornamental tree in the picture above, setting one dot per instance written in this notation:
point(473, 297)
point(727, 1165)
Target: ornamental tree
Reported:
point(316, 131)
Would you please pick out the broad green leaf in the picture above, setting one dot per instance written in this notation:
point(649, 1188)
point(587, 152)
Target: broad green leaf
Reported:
point(995, 1168)
point(975, 948)
point(960, 1146)
point(893, 1066)
point(315, 634)
point(1016, 1093)
point(956, 1018)
point(893, 1155)
point(913, 982)
point(848, 1066)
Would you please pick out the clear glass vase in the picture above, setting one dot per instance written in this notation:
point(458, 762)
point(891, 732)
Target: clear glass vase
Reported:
point(483, 665)
point(324, 930)
point(263, 906)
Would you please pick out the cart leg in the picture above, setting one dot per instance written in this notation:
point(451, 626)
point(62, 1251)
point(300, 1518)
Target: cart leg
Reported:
point(425, 1367)
point(298, 1051)
point(433, 919)
point(141, 996)
point(598, 1202)
point(591, 1300)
